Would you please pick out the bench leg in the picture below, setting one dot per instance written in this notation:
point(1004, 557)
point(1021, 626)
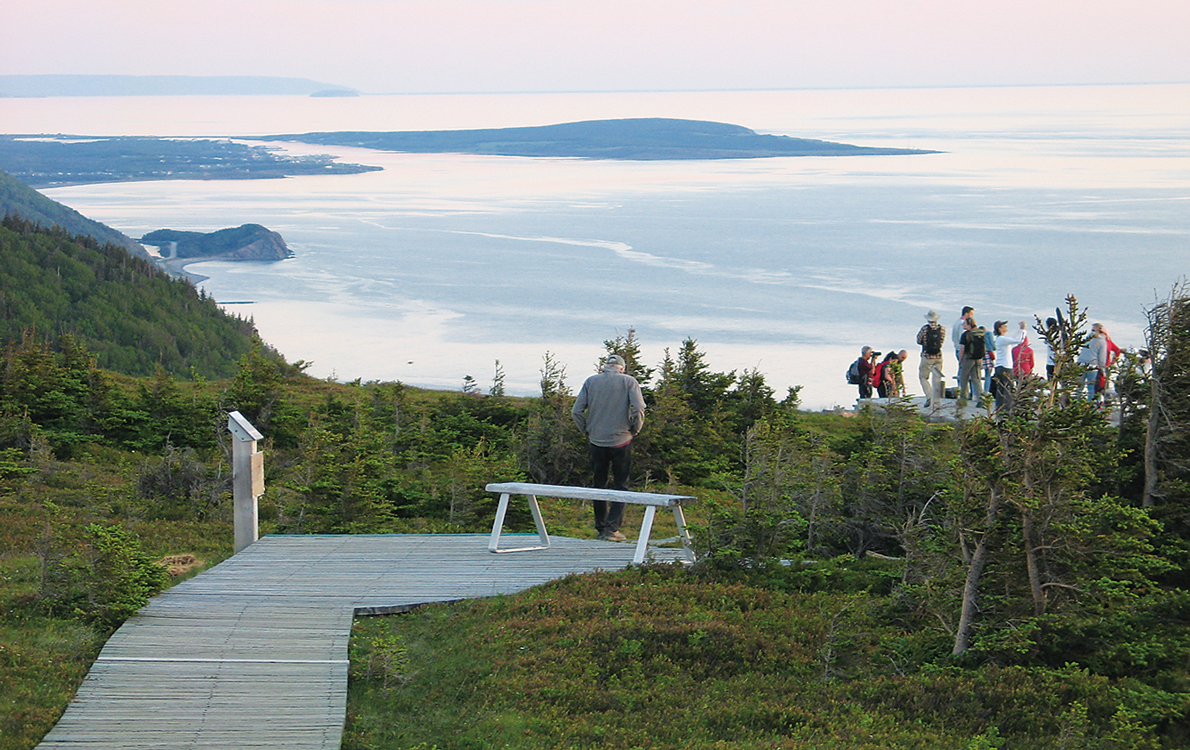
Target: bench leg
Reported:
point(538, 521)
point(498, 525)
point(646, 528)
point(683, 532)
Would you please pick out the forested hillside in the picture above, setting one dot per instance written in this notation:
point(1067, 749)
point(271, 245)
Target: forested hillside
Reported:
point(18, 199)
point(128, 313)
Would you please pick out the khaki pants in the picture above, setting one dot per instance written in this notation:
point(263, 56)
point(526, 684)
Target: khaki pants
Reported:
point(969, 379)
point(931, 377)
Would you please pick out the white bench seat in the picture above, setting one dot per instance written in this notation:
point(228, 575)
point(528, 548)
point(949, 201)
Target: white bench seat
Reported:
point(651, 500)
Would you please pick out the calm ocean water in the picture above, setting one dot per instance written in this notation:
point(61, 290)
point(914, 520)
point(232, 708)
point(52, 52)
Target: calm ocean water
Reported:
point(441, 264)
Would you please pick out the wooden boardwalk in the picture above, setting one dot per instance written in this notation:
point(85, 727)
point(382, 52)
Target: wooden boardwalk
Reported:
point(253, 652)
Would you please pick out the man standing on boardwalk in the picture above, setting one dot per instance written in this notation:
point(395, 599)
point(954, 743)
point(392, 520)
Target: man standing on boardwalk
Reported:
point(610, 410)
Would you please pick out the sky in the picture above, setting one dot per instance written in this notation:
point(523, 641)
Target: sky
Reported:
point(436, 46)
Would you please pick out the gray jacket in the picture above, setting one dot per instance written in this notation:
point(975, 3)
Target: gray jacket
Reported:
point(610, 408)
point(1094, 354)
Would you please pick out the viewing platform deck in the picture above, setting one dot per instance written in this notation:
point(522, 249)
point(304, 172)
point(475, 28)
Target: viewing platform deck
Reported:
point(253, 652)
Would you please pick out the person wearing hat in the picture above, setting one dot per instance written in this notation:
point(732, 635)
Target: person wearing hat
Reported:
point(610, 410)
point(929, 373)
point(1005, 378)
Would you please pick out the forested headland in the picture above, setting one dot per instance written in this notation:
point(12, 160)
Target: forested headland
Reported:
point(18, 199)
point(1014, 580)
point(124, 310)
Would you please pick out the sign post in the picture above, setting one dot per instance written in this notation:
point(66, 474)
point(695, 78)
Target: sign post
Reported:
point(247, 478)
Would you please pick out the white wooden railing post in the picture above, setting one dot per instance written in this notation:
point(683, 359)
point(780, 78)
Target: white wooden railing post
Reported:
point(247, 478)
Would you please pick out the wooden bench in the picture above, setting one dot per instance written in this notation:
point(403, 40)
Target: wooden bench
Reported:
point(651, 501)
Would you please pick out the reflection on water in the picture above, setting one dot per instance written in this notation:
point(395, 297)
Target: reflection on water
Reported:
point(441, 264)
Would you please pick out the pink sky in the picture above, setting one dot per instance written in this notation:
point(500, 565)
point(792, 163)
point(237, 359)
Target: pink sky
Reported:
point(398, 46)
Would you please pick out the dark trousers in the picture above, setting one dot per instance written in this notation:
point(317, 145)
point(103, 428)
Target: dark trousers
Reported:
point(1002, 385)
point(609, 516)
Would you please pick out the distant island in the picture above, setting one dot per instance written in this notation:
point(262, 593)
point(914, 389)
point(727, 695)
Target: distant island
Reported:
point(117, 85)
point(631, 139)
point(58, 160)
point(247, 242)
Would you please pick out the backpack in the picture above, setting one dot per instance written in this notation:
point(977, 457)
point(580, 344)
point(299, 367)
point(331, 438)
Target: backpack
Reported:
point(973, 344)
point(1022, 358)
point(853, 376)
point(878, 374)
point(932, 341)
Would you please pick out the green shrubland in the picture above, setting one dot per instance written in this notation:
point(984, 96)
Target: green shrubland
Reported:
point(874, 580)
point(668, 658)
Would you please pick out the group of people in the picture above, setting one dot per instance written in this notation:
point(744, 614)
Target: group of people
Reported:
point(988, 361)
point(610, 407)
point(885, 375)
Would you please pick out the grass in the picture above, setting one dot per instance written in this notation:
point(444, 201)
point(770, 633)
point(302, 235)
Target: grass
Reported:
point(42, 659)
point(657, 658)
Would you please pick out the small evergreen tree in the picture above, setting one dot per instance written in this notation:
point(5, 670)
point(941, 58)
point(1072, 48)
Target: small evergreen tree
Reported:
point(1167, 444)
point(497, 389)
point(628, 347)
point(119, 577)
point(553, 451)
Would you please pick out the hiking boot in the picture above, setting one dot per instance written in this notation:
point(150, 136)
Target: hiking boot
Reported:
point(613, 536)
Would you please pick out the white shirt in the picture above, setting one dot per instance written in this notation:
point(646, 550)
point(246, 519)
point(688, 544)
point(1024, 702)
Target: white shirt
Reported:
point(956, 331)
point(1004, 346)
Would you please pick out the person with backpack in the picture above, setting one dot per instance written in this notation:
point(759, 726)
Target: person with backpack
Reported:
point(860, 372)
point(972, 342)
point(929, 373)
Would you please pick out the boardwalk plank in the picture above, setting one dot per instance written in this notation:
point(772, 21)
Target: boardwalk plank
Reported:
point(253, 652)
